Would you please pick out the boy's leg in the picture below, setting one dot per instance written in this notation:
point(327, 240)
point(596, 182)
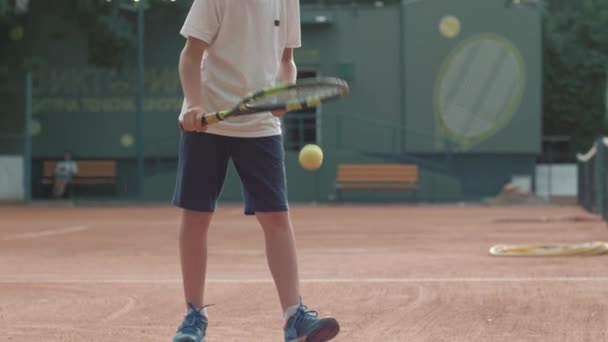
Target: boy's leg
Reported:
point(59, 188)
point(203, 162)
point(261, 166)
point(281, 256)
point(193, 254)
point(202, 166)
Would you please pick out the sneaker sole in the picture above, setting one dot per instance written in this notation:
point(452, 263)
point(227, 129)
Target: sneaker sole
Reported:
point(187, 339)
point(329, 329)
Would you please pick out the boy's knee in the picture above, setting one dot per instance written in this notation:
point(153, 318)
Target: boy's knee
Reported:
point(274, 222)
point(198, 219)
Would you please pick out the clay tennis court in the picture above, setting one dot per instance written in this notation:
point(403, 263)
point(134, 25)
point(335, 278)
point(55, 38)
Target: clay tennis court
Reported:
point(387, 273)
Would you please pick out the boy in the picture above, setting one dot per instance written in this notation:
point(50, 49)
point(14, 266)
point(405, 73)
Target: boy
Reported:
point(234, 47)
point(65, 170)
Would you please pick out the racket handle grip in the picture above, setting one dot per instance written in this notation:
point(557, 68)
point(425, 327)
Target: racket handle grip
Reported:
point(206, 119)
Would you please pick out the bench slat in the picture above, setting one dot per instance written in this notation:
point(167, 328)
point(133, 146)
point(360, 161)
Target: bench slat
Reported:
point(92, 181)
point(382, 172)
point(367, 171)
point(86, 168)
point(378, 172)
point(374, 186)
point(375, 167)
point(364, 173)
point(377, 176)
point(97, 169)
point(361, 170)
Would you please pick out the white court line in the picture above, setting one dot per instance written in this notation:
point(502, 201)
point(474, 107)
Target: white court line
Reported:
point(41, 280)
point(142, 223)
point(44, 233)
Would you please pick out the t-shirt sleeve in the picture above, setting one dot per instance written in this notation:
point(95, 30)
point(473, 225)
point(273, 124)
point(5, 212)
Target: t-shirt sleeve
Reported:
point(294, 36)
point(203, 21)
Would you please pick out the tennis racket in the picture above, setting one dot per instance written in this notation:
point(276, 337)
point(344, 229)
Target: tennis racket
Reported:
point(556, 249)
point(303, 94)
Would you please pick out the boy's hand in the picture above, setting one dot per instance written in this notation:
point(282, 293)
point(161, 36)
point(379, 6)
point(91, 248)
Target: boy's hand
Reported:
point(188, 122)
point(279, 113)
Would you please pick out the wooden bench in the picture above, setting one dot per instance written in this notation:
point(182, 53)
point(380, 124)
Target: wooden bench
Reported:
point(90, 172)
point(376, 177)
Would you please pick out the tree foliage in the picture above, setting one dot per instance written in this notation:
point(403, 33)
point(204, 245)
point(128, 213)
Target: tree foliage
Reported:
point(575, 61)
point(110, 25)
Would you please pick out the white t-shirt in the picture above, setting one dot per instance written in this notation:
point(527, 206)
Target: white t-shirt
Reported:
point(246, 41)
point(66, 168)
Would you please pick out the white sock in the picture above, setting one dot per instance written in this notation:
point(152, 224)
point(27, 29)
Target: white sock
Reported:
point(291, 311)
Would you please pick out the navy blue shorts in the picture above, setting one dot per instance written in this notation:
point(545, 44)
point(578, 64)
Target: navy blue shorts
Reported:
point(203, 162)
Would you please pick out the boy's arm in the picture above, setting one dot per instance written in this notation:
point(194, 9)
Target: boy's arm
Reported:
point(190, 77)
point(288, 72)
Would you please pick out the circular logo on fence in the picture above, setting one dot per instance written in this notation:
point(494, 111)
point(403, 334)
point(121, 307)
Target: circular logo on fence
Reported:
point(16, 33)
point(127, 140)
point(449, 26)
point(479, 88)
point(36, 127)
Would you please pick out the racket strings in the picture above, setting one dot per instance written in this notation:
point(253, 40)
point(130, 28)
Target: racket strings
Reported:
point(299, 94)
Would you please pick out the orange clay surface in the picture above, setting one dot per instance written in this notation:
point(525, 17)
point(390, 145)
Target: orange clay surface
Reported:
point(387, 273)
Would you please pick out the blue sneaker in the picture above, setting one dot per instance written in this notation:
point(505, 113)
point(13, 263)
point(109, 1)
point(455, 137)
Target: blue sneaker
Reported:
point(194, 327)
point(305, 326)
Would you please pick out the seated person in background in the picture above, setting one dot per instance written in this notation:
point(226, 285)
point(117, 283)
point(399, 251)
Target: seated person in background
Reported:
point(64, 171)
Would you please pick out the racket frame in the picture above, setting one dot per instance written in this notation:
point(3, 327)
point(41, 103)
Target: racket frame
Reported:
point(245, 106)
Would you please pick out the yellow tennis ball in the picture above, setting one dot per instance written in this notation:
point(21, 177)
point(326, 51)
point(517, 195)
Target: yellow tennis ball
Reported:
point(311, 157)
point(449, 26)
